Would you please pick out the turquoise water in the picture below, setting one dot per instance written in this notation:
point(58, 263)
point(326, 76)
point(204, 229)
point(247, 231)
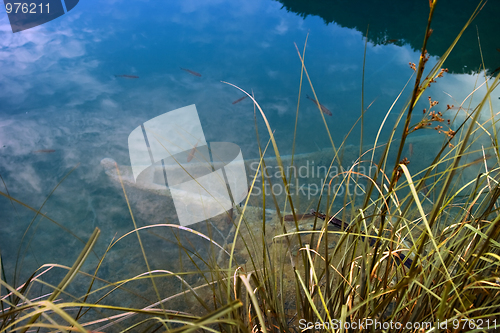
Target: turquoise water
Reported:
point(62, 104)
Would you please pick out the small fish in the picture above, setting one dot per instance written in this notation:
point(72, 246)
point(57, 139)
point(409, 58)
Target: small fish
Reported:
point(333, 220)
point(45, 151)
point(299, 217)
point(390, 41)
point(191, 72)
point(410, 149)
point(192, 152)
point(479, 159)
point(452, 107)
point(127, 76)
point(239, 99)
point(322, 107)
point(498, 50)
point(424, 190)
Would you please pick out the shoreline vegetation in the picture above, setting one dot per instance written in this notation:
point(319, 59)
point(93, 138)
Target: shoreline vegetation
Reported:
point(414, 246)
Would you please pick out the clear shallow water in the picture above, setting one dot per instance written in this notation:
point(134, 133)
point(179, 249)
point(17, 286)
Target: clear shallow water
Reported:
point(58, 91)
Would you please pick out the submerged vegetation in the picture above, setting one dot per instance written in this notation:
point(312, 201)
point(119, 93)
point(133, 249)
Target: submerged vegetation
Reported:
point(413, 251)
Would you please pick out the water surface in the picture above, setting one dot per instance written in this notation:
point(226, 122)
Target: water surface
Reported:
point(62, 104)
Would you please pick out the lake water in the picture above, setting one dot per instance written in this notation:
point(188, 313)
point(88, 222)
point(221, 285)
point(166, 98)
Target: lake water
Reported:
point(64, 101)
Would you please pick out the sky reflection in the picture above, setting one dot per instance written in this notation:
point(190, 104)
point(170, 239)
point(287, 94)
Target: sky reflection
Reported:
point(58, 88)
